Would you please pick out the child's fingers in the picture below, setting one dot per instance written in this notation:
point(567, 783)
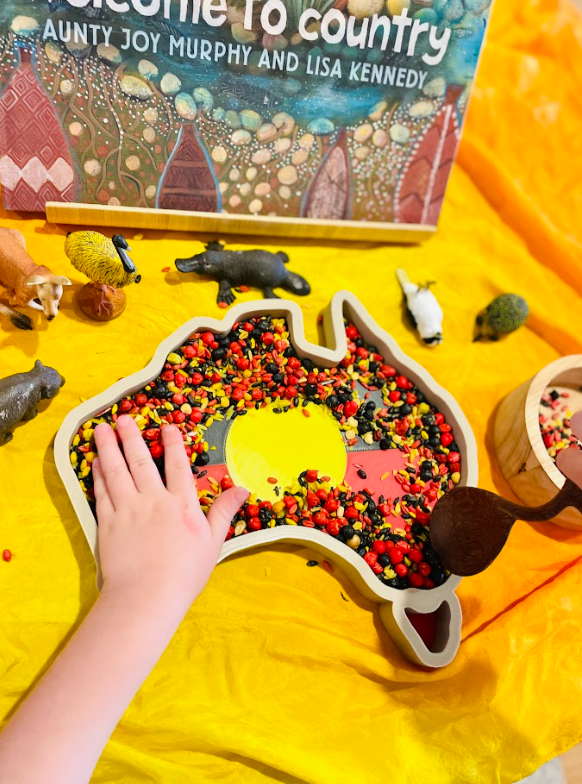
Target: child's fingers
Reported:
point(119, 482)
point(569, 460)
point(576, 424)
point(104, 503)
point(179, 478)
point(137, 456)
point(570, 464)
point(224, 509)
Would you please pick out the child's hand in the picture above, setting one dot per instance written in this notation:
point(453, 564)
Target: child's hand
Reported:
point(155, 544)
point(157, 552)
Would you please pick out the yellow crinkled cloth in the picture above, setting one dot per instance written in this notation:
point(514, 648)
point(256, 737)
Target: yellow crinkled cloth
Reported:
point(272, 676)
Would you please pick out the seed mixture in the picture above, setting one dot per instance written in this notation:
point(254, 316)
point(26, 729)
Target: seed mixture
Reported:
point(554, 418)
point(214, 377)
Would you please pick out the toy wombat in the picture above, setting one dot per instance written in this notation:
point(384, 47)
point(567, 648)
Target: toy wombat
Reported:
point(259, 268)
point(21, 393)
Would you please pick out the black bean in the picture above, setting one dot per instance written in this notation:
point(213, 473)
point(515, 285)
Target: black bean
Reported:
point(347, 531)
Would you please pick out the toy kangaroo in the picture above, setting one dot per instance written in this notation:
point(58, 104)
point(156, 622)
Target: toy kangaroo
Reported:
point(26, 283)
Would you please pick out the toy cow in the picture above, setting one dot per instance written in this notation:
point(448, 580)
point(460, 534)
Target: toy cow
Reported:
point(26, 283)
point(21, 393)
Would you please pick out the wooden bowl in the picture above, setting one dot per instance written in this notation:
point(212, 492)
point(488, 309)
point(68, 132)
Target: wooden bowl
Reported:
point(395, 606)
point(522, 455)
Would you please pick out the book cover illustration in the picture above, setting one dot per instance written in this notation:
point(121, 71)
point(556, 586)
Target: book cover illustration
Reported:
point(326, 109)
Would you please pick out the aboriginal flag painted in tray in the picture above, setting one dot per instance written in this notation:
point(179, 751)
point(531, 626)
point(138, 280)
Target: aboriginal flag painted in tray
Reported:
point(352, 111)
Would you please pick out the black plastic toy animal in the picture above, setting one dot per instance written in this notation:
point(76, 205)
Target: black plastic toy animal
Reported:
point(258, 268)
point(21, 393)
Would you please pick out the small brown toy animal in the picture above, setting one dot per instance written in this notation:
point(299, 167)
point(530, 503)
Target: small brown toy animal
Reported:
point(26, 283)
point(21, 393)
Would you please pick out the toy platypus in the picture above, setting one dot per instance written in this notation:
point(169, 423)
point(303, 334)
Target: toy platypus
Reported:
point(258, 268)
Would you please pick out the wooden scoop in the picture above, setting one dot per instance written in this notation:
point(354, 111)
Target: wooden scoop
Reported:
point(469, 527)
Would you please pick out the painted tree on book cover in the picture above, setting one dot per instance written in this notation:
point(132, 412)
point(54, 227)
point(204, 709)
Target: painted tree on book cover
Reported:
point(36, 164)
point(328, 196)
point(189, 182)
point(421, 189)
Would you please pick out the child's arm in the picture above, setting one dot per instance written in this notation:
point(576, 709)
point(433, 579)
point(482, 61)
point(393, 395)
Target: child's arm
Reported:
point(157, 552)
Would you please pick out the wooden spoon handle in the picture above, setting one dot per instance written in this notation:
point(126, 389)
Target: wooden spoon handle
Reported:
point(569, 495)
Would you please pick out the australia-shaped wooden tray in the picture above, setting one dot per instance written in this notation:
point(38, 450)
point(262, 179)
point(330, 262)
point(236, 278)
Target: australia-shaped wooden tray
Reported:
point(345, 448)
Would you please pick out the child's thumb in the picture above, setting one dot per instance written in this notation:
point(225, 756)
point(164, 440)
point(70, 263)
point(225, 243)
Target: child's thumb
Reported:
point(224, 509)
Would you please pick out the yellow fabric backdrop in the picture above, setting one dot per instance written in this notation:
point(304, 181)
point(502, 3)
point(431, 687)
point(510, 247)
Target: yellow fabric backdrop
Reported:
point(272, 676)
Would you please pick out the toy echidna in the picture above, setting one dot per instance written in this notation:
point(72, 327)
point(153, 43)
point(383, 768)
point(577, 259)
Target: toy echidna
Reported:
point(104, 261)
point(505, 314)
point(107, 264)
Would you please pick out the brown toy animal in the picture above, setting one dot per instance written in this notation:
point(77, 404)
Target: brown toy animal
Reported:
point(26, 283)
